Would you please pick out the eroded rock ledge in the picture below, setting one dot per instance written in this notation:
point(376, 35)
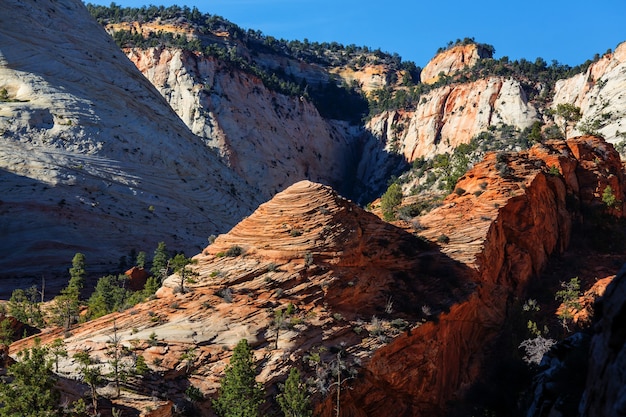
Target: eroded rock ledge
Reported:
point(414, 317)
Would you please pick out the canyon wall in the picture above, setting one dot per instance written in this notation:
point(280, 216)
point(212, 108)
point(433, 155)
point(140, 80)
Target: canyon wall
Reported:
point(93, 160)
point(503, 229)
point(599, 92)
point(452, 115)
point(415, 319)
point(270, 139)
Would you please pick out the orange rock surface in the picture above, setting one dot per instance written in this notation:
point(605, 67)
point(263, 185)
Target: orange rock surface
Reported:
point(451, 60)
point(414, 316)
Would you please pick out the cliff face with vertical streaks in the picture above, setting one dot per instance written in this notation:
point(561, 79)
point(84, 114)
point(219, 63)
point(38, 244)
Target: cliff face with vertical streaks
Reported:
point(452, 115)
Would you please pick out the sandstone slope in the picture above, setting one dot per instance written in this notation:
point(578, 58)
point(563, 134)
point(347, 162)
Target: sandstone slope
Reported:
point(93, 159)
point(415, 320)
point(354, 281)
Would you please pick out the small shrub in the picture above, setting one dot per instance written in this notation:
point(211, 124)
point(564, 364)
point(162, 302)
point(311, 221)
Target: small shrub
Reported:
point(234, 251)
point(409, 212)
point(290, 309)
point(271, 267)
point(536, 348)
point(399, 324)
point(443, 238)
point(554, 171)
point(504, 170)
point(459, 191)
point(295, 232)
point(608, 197)
point(194, 394)
point(308, 259)
point(226, 294)
point(427, 310)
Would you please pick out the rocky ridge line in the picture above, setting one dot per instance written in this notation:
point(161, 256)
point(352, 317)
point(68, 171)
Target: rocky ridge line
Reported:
point(342, 267)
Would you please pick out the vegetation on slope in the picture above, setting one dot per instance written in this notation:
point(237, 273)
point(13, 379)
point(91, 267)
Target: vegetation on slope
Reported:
point(430, 180)
point(217, 37)
point(537, 78)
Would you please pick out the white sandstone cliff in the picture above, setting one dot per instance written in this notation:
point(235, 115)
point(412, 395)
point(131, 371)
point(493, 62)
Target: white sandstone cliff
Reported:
point(599, 92)
point(93, 159)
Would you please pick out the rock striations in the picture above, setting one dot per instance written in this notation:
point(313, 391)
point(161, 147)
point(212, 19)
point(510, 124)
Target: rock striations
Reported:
point(599, 94)
point(453, 59)
point(270, 139)
point(353, 281)
point(452, 115)
point(93, 160)
point(414, 318)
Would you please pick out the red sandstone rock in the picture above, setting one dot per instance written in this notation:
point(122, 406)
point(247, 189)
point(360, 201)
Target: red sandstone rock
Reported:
point(137, 278)
point(343, 269)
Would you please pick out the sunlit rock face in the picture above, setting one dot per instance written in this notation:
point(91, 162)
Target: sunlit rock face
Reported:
point(452, 60)
point(599, 92)
point(93, 159)
point(452, 115)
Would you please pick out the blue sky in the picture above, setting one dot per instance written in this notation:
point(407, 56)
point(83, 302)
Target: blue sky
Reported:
point(567, 31)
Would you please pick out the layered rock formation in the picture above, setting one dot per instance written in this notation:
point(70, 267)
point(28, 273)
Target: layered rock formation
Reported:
point(452, 115)
point(337, 265)
point(599, 94)
point(415, 319)
point(503, 229)
point(452, 60)
point(93, 159)
point(270, 139)
point(369, 77)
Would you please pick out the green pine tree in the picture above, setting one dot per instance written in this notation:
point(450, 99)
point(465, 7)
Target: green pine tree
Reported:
point(141, 260)
point(28, 389)
point(239, 395)
point(58, 350)
point(77, 272)
point(108, 296)
point(91, 375)
point(66, 307)
point(294, 400)
point(160, 261)
point(180, 264)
